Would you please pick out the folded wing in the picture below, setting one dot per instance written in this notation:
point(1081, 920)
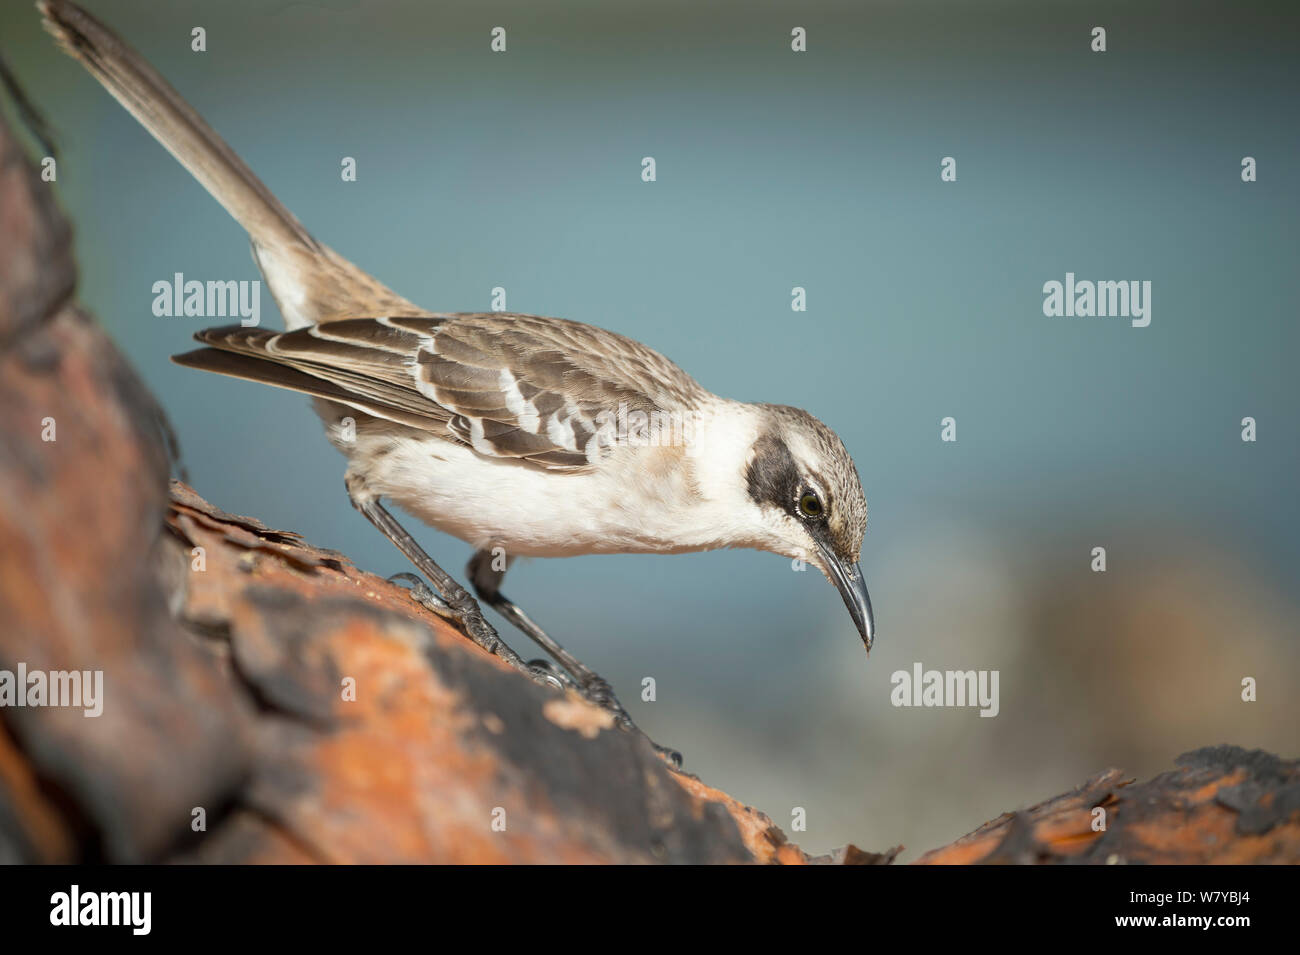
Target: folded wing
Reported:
point(541, 391)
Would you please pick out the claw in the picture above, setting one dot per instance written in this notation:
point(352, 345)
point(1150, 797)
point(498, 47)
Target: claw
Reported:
point(547, 673)
point(422, 593)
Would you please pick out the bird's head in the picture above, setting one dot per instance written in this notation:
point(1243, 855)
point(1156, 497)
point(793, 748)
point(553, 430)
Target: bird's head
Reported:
point(810, 502)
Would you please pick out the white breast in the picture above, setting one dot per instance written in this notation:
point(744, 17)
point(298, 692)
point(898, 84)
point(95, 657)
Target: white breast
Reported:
point(639, 500)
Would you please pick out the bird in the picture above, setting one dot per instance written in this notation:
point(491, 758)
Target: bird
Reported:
point(522, 435)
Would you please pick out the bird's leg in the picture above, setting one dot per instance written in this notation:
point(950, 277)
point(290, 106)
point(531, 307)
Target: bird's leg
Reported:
point(486, 580)
point(454, 602)
point(487, 584)
point(423, 593)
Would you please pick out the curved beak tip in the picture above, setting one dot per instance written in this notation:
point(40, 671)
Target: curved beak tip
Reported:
point(852, 586)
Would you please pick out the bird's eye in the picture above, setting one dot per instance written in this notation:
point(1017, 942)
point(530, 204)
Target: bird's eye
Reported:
point(810, 505)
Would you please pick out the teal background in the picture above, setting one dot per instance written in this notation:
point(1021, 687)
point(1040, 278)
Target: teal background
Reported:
point(819, 170)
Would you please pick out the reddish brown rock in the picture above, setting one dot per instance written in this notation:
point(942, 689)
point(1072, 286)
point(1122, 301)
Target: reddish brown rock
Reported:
point(83, 489)
point(1222, 805)
point(386, 736)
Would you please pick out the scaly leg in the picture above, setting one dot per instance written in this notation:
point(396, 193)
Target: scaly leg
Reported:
point(452, 601)
point(487, 584)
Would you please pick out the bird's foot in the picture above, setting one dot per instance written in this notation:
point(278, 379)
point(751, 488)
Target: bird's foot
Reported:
point(459, 608)
point(598, 691)
point(549, 674)
point(421, 593)
point(463, 610)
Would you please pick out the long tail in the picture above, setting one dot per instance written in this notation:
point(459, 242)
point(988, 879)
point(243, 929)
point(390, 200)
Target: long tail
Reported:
point(310, 282)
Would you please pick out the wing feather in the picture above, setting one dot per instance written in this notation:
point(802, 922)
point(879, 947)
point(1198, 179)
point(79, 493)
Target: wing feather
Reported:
point(517, 387)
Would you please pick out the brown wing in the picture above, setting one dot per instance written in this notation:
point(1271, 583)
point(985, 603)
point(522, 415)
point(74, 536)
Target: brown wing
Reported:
point(507, 385)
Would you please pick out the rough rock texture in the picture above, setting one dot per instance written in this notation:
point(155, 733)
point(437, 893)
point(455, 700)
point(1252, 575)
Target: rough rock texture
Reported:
point(1222, 805)
point(83, 483)
point(385, 735)
point(266, 701)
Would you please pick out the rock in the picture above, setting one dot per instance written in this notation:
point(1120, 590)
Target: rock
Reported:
point(1223, 805)
point(83, 492)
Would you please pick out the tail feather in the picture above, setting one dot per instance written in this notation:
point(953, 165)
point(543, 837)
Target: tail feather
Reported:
point(310, 282)
point(160, 109)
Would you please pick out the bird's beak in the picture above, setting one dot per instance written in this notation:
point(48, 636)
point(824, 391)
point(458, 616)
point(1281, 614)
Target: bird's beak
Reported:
point(853, 588)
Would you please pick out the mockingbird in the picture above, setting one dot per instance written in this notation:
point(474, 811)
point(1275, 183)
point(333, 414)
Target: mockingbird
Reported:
point(521, 435)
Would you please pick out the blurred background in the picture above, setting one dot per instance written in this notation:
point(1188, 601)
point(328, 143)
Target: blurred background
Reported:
point(819, 170)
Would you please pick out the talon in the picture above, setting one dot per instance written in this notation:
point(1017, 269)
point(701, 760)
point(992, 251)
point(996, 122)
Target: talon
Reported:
point(552, 671)
point(422, 593)
point(547, 674)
